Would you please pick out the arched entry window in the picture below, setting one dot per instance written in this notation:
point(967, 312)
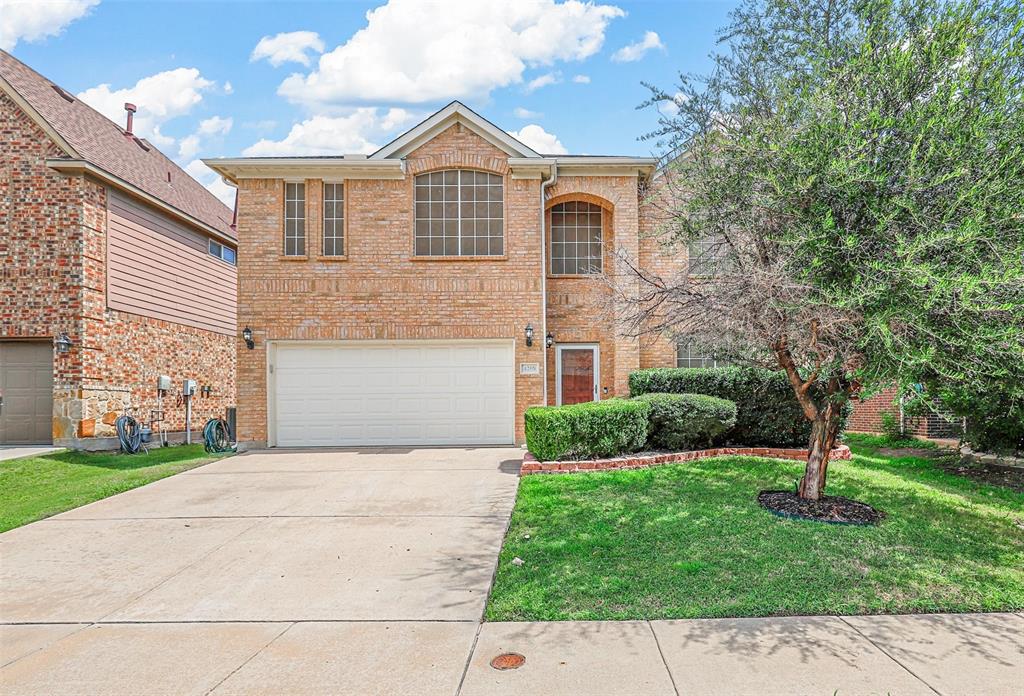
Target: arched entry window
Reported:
point(577, 238)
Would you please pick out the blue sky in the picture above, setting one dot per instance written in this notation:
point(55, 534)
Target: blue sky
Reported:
point(339, 77)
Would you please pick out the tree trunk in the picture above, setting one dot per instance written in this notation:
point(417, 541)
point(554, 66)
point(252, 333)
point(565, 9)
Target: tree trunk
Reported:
point(824, 431)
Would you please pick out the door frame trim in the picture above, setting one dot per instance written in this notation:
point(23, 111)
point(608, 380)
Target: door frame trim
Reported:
point(596, 347)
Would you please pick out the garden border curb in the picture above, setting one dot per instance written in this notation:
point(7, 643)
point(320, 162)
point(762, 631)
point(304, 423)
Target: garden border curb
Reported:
point(532, 466)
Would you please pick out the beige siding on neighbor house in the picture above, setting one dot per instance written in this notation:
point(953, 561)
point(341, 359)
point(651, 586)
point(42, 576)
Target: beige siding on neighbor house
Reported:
point(158, 268)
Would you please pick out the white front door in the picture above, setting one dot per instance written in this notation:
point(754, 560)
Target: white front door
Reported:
point(577, 373)
point(392, 393)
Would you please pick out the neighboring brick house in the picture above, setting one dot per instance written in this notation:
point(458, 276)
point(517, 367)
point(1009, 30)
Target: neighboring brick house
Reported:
point(118, 267)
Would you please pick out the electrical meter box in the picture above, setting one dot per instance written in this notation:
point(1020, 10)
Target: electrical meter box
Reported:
point(163, 383)
point(189, 387)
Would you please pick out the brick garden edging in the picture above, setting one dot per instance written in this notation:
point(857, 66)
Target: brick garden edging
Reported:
point(532, 466)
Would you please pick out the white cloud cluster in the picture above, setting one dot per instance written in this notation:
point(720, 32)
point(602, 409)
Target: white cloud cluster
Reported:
point(290, 46)
point(212, 181)
point(159, 98)
point(33, 20)
point(520, 112)
point(211, 127)
point(412, 51)
point(671, 107)
point(636, 51)
point(358, 132)
point(539, 139)
point(581, 79)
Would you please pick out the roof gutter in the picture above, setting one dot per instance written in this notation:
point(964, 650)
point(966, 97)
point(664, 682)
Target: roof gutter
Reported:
point(233, 169)
point(78, 166)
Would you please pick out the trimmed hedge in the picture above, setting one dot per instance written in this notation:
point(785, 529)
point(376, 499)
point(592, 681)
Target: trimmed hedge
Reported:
point(767, 413)
point(688, 421)
point(588, 430)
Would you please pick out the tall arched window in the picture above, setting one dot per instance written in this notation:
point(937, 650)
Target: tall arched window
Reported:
point(577, 238)
point(459, 212)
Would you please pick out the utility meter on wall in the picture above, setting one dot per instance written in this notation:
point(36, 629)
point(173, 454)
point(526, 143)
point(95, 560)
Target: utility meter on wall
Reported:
point(189, 387)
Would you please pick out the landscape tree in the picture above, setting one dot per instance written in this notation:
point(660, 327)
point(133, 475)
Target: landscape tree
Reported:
point(847, 181)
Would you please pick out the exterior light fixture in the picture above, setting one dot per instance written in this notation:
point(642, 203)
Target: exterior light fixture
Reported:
point(529, 334)
point(247, 337)
point(62, 342)
point(549, 340)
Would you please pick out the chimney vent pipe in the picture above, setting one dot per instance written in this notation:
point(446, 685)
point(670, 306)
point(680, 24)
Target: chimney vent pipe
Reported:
point(130, 108)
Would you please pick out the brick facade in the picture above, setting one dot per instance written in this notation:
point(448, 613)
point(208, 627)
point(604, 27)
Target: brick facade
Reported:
point(54, 279)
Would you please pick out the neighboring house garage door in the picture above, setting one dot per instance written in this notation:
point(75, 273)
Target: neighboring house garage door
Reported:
point(26, 385)
point(401, 393)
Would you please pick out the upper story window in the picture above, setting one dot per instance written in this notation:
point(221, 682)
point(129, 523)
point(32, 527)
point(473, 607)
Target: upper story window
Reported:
point(334, 220)
point(294, 219)
point(577, 245)
point(459, 212)
point(688, 355)
point(706, 254)
point(222, 252)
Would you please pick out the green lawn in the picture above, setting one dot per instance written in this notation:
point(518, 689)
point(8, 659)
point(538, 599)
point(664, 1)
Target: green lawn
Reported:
point(689, 540)
point(32, 488)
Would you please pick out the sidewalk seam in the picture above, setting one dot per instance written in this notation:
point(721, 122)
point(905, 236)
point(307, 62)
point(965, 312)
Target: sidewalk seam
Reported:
point(249, 659)
point(671, 677)
point(887, 654)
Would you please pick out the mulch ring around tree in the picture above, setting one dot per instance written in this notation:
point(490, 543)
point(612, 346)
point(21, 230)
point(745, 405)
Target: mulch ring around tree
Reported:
point(832, 509)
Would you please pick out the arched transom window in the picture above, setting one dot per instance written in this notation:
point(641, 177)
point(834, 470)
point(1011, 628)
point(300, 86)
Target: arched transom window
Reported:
point(459, 212)
point(577, 238)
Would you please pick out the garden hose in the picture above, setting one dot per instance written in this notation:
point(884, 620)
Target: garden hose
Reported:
point(129, 434)
point(217, 436)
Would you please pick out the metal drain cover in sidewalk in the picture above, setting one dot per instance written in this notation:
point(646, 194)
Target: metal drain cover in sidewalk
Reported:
point(508, 661)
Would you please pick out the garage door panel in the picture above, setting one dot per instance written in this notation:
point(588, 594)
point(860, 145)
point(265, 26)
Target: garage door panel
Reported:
point(403, 394)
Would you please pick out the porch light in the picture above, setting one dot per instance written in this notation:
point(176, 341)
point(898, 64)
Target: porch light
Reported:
point(247, 337)
point(62, 342)
point(549, 340)
point(529, 335)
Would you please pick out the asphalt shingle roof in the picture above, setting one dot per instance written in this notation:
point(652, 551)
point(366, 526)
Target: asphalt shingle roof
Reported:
point(103, 143)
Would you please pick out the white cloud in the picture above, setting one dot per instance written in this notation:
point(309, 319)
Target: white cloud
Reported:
point(520, 112)
point(542, 81)
point(539, 139)
point(212, 181)
point(412, 51)
point(32, 20)
point(671, 107)
point(228, 88)
point(159, 98)
point(636, 51)
point(290, 46)
point(189, 146)
point(358, 132)
point(581, 79)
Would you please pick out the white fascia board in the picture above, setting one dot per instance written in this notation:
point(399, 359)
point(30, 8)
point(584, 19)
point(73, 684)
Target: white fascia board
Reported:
point(334, 168)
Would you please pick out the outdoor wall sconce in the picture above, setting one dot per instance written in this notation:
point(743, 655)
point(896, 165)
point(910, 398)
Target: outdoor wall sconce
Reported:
point(247, 337)
point(529, 335)
point(549, 340)
point(62, 342)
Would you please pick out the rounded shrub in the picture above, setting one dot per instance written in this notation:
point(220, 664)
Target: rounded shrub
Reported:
point(588, 430)
point(688, 421)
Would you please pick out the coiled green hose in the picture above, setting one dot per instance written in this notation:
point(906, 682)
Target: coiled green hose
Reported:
point(217, 436)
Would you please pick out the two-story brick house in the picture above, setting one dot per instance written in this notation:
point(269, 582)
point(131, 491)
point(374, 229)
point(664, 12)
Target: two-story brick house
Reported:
point(432, 291)
point(117, 268)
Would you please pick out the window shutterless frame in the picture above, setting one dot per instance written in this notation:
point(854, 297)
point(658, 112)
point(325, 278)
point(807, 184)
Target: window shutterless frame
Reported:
point(294, 219)
point(576, 238)
point(458, 212)
point(334, 219)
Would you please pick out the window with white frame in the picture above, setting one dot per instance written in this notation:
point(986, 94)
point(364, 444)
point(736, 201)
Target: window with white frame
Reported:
point(577, 238)
point(224, 253)
point(334, 220)
point(459, 212)
point(705, 254)
point(688, 355)
point(294, 219)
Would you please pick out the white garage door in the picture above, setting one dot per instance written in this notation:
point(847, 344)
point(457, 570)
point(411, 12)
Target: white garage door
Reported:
point(404, 393)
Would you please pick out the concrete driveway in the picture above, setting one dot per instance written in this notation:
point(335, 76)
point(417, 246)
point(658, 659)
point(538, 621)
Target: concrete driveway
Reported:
point(270, 572)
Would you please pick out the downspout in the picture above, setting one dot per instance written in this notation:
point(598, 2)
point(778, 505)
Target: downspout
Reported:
point(544, 274)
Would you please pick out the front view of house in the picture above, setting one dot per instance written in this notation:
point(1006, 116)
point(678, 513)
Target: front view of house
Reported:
point(432, 291)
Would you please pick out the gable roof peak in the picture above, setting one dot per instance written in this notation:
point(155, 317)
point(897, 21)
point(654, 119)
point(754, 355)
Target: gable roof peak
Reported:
point(444, 118)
